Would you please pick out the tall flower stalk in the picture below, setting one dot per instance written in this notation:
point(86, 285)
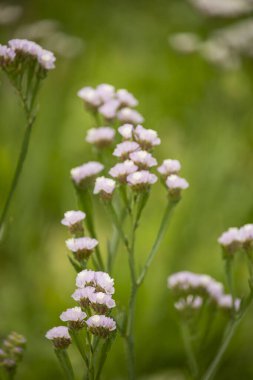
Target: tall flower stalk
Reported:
point(119, 137)
point(26, 64)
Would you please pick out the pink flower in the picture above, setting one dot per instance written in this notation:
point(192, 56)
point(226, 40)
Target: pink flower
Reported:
point(82, 175)
point(101, 325)
point(101, 137)
point(169, 167)
point(105, 187)
point(126, 98)
point(123, 149)
point(143, 159)
point(141, 180)
point(122, 170)
point(127, 115)
point(109, 109)
point(126, 131)
point(147, 138)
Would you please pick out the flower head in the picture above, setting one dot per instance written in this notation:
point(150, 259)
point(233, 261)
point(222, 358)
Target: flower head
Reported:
point(100, 137)
point(105, 92)
point(230, 240)
point(7, 55)
point(175, 185)
point(75, 317)
point(122, 170)
point(90, 97)
point(126, 131)
point(169, 167)
point(101, 302)
point(109, 109)
point(101, 325)
point(82, 247)
point(59, 336)
point(147, 138)
point(83, 295)
point(104, 187)
point(246, 235)
point(83, 175)
point(126, 98)
point(141, 180)
point(101, 281)
point(123, 149)
point(73, 220)
point(127, 115)
point(225, 302)
point(189, 303)
point(143, 159)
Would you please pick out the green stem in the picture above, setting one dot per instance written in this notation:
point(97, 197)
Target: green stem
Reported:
point(104, 352)
point(229, 275)
point(19, 167)
point(129, 339)
point(189, 350)
point(65, 363)
point(228, 335)
point(162, 230)
point(80, 344)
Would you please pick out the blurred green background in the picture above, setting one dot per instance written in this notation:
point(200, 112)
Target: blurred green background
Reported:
point(204, 116)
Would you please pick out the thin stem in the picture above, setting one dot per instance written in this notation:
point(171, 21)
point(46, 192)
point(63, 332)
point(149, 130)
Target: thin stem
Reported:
point(189, 350)
point(19, 167)
point(161, 232)
point(80, 344)
point(65, 363)
point(229, 275)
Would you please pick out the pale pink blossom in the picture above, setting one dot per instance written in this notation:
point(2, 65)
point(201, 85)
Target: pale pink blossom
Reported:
point(147, 138)
point(143, 159)
point(83, 174)
point(169, 167)
point(123, 149)
point(126, 131)
point(127, 115)
point(122, 170)
point(141, 180)
point(126, 98)
point(101, 136)
point(101, 325)
point(109, 109)
point(105, 187)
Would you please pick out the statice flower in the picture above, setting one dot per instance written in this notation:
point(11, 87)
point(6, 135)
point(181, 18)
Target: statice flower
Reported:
point(122, 170)
point(82, 247)
point(169, 167)
point(123, 149)
point(246, 235)
point(127, 115)
point(90, 97)
point(126, 98)
point(23, 47)
point(101, 302)
point(105, 92)
point(109, 109)
point(7, 55)
point(175, 185)
point(73, 220)
point(59, 336)
point(75, 317)
point(230, 240)
point(101, 281)
point(147, 138)
point(100, 137)
point(83, 175)
point(101, 325)
point(143, 159)
point(83, 295)
point(126, 131)
point(189, 303)
point(225, 302)
point(104, 187)
point(141, 180)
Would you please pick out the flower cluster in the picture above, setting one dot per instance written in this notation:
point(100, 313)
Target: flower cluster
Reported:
point(19, 50)
point(191, 290)
point(169, 172)
point(85, 174)
point(93, 294)
point(12, 351)
point(235, 239)
point(110, 103)
point(74, 221)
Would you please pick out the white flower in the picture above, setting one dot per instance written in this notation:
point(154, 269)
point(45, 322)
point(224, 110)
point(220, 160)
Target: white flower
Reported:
point(105, 187)
point(109, 109)
point(127, 115)
point(82, 175)
point(122, 170)
point(189, 303)
point(46, 59)
point(101, 137)
point(101, 302)
point(147, 138)
point(123, 149)
point(60, 337)
point(85, 278)
point(105, 92)
point(126, 131)
point(230, 240)
point(225, 301)
point(143, 159)
point(104, 282)
point(169, 167)
point(141, 180)
point(75, 316)
point(246, 234)
point(73, 219)
point(126, 98)
point(82, 247)
point(7, 55)
point(175, 184)
point(83, 295)
point(90, 96)
point(101, 325)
